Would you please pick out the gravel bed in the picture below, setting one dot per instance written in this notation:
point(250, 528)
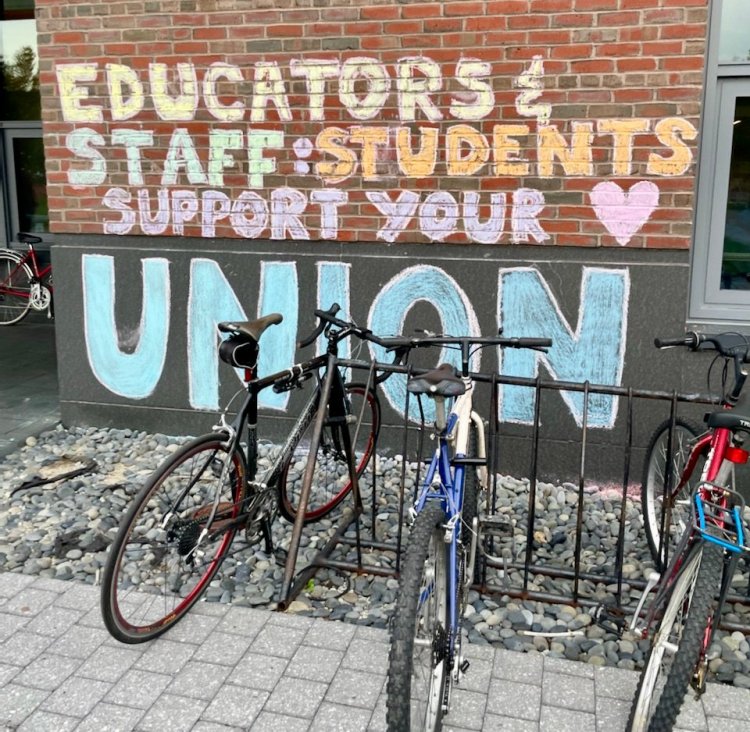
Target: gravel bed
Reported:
point(62, 530)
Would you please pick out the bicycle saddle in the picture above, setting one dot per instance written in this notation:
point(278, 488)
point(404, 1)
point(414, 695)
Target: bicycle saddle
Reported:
point(441, 381)
point(25, 238)
point(251, 328)
point(733, 419)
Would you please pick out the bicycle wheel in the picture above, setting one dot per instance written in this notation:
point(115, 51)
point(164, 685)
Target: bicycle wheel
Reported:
point(154, 573)
point(654, 475)
point(418, 660)
point(331, 482)
point(677, 642)
point(15, 288)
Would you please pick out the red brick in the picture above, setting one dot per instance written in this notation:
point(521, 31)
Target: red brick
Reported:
point(363, 28)
point(380, 12)
point(572, 51)
point(551, 37)
point(593, 66)
point(682, 63)
point(596, 4)
point(622, 18)
point(378, 42)
point(696, 30)
point(663, 15)
point(550, 6)
point(618, 49)
point(573, 20)
point(329, 30)
point(528, 21)
point(644, 33)
point(635, 64)
point(399, 27)
point(633, 95)
point(484, 23)
point(507, 7)
point(679, 93)
point(284, 31)
point(427, 10)
point(443, 25)
point(209, 33)
point(662, 48)
point(462, 40)
point(465, 8)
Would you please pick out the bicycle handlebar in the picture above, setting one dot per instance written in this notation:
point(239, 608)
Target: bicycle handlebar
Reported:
point(734, 346)
point(409, 342)
point(324, 317)
point(729, 345)
point(328, 318)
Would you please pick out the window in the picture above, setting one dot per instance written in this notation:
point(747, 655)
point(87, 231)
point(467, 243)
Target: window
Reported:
point(720, 272)
point(23, 197)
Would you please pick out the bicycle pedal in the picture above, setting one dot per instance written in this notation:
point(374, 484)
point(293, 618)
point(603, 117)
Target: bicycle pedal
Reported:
point(610, 618)
point(464, 667)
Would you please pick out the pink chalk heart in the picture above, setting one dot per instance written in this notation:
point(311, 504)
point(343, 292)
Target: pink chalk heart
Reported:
point(623, 213)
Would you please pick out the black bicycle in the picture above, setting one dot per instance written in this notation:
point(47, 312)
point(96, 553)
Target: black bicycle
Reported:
point(178, 530)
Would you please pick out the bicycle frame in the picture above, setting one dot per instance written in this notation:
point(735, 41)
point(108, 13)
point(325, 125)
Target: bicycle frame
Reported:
point(39, 273)
point(720, 461)
point(247, 416)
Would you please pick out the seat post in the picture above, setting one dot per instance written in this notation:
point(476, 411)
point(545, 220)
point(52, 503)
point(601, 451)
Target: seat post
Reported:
point(439, 412)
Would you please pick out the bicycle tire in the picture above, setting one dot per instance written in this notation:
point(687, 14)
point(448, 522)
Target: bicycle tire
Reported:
point(692, 597)
point(15, 275)
point(331, 482)
point(652, 485)
point(424, 577)
point(145, 591)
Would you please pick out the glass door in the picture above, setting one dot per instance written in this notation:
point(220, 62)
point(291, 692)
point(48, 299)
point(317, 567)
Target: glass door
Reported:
point(27, 188)
point(23, 197)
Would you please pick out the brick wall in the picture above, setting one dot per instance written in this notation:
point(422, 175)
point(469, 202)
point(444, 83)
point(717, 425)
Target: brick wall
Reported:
point(556, 122)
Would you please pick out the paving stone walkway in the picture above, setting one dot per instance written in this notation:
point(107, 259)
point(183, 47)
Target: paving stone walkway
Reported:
point(231, 668)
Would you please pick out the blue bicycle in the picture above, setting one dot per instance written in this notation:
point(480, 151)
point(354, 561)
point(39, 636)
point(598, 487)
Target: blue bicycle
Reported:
point(425, 658)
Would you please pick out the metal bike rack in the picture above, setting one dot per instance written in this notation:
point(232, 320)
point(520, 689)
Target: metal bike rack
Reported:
point(367, 540)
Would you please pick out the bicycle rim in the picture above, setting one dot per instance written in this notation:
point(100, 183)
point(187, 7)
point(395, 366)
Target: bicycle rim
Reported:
point(678, 510)
point(677, 642)
point(160, 564)
point(331, 482)
point(15, 289)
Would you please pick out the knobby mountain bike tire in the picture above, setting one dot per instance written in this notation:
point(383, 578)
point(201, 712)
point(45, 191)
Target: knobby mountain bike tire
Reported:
point(418, 658)
point(331, 482)
point(677, 642)
point(15, 288)
point(158, 565)
point(652, 486)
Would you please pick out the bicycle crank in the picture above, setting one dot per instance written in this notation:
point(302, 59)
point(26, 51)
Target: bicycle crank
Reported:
point(40, 297)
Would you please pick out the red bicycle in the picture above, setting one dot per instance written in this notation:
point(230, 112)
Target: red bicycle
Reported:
point(704, 534)
point(24, 284)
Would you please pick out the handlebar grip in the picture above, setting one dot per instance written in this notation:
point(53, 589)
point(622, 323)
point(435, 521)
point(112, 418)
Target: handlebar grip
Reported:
point(690, 340)
point(324, 317)
point(532, 342)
